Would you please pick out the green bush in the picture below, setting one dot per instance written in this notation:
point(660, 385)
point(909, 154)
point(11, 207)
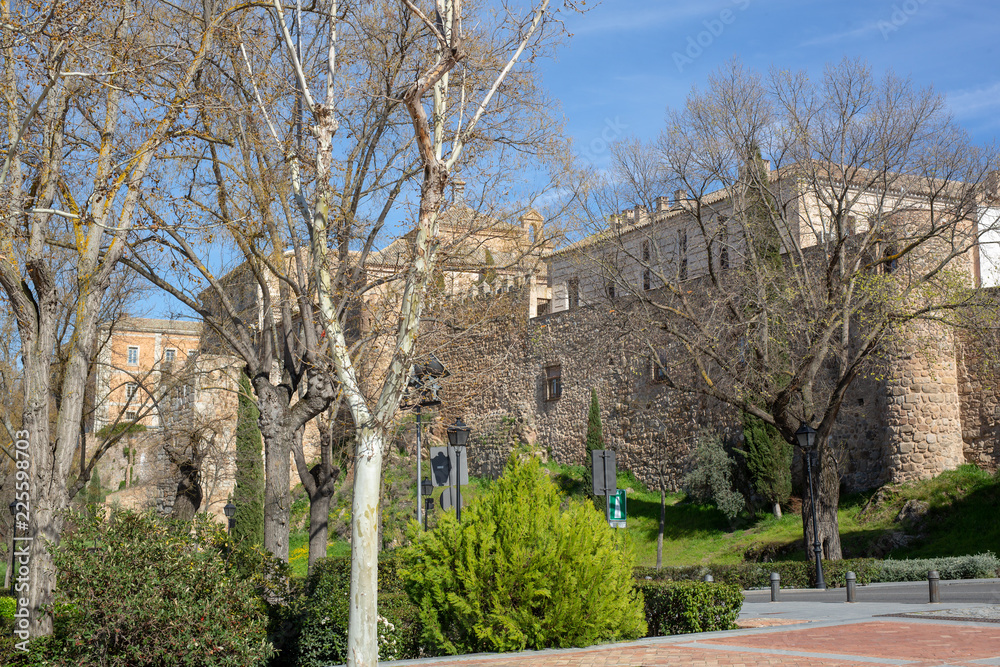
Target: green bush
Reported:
point(679, 607)
point(710, 479)
point(520, 572)
point(110, 430)
point(794, 574)
point(324, 612)
point(980, 566)
point(7, 607)
point(135, 590)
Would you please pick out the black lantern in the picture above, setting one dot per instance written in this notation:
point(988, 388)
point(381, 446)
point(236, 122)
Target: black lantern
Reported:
point(230, 510)
point(458, 434)
point(426, 488)
point(12, 507)
point(806, 435)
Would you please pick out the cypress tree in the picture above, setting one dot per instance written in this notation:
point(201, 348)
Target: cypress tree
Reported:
point(595, 440)
point(769, 460)
point(248, 496)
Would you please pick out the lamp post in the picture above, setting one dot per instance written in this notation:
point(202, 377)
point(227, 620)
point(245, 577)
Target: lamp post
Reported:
point(230, 510)
point(424, 382)
point(426, 489)
point(806, 435)
point(13, 534)
point(458, 436)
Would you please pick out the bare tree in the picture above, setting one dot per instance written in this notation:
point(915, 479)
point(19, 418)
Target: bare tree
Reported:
point(91, 96)
point(813, 223)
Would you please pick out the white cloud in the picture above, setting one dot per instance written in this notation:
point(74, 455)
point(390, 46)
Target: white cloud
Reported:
point(975, 102)
point(843, 35)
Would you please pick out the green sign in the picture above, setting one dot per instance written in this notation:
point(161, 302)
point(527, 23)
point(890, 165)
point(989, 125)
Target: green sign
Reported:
point(616, 508)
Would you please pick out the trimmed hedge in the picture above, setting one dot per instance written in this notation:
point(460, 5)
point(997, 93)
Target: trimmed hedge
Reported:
point(802, 574)
point(680, 607)
point(794, 574)
point(980, 566)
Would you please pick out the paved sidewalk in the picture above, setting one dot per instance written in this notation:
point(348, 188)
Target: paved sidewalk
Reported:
point(795, 633)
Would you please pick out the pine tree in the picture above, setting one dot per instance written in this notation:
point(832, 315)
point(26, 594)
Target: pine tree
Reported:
point(595, 440)
point(769, 460)
point(248, 496)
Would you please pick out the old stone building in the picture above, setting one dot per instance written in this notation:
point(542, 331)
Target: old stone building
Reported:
point(923, 409)
point(527, 331)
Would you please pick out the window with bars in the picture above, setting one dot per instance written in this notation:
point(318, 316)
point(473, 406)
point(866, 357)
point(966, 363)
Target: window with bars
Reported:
point(130, 389)
point(131, 415)
point(574, 293)
point(553, 382)
point(133, 355)
point(658, 367)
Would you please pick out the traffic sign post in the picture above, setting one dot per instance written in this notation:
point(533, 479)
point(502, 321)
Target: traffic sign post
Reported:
point(616, 509)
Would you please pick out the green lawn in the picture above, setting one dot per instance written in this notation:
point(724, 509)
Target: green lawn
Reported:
point(963, 519)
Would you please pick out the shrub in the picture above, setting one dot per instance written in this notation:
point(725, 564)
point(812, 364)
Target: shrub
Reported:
point(134, 589)
point(769, 461)
point(248, 493)
point(794, 574)
point(980, 566)
point(711, 476)
point(7, 607)
point(674, 608)
point(522, 573)
point(324, 614)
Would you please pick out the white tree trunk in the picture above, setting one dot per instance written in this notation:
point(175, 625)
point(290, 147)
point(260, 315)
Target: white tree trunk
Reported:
point(362, 636)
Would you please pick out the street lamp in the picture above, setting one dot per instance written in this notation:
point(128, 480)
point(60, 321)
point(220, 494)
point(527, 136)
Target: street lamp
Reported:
point(806, 435)
point(424, 383)
point(230, 510)
point(426, 489)
point(458, 436)
point(13, 527)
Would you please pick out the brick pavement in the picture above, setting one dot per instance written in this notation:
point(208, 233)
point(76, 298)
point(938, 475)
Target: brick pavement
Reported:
point(876, 642)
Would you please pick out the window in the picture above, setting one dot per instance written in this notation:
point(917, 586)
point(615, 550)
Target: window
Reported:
point(192, 353)
point(723, 244)
point(131, 415)
point(574, 293)
point(890, 264)
point(657, 367)
point(851, 228)
point(610, 287)
point(724, 258)
point(543, 307)
point(169, 355)
point(647, 281)
point(130, 389)
point(553, 382)
point(133, 355)
point(682, 254)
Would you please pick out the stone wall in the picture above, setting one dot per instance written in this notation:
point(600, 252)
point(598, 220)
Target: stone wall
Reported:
point(920, 410)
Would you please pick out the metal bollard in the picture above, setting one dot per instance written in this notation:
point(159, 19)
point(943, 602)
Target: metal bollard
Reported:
point(709, 578)
point(933, 581)
point(851, 580)
point(775, 586)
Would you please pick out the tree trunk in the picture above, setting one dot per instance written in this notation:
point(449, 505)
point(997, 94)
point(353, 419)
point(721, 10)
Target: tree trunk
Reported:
point(826, 486)
point(776, 509)
point(319, 516)
point(277, 435)
point(362, 646)
point(659, 534)
point(189, 493)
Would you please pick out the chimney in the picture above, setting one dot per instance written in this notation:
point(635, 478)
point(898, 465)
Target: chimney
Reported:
point(458, 193)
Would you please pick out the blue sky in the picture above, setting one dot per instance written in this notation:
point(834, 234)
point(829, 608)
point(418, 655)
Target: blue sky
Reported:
point(629, 60)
